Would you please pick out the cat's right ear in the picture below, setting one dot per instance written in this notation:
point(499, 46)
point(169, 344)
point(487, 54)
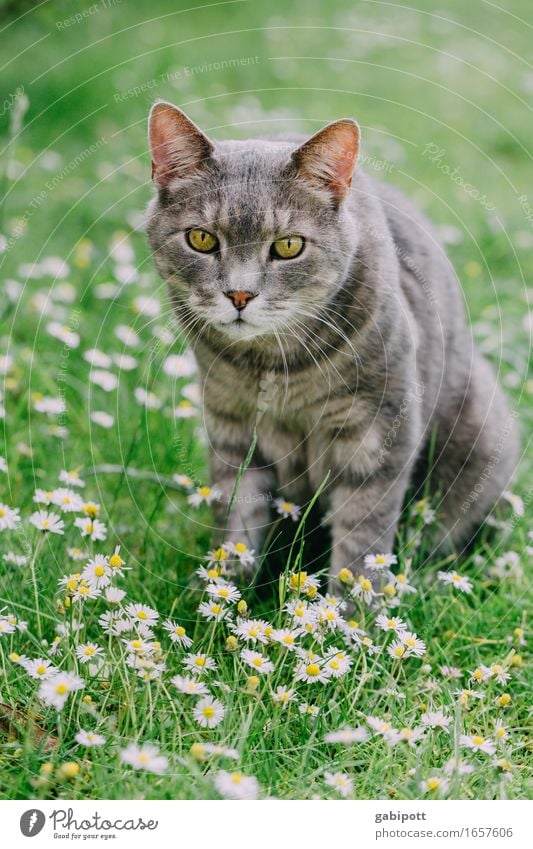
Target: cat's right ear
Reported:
point(179, 148)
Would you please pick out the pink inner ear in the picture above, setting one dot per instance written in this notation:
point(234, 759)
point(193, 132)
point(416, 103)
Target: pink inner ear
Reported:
point(178, 147)
point(328, 158)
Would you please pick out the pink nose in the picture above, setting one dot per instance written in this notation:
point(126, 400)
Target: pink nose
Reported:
point(239, 299)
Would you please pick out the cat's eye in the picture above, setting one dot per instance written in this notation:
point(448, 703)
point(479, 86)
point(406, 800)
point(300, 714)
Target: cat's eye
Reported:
point(287, 247)
point(202, 241)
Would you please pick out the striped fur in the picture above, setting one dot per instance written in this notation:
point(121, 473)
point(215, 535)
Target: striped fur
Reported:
point(356, 352)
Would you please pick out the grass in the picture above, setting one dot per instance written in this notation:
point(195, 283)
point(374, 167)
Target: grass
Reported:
point(76, 177)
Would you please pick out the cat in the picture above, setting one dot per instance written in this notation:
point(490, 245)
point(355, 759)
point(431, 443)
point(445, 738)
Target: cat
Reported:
point(325, 318)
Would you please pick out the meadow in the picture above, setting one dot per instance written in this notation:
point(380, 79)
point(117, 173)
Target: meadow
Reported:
point(135, 661)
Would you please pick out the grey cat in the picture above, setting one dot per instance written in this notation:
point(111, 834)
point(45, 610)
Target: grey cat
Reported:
point(324, 314)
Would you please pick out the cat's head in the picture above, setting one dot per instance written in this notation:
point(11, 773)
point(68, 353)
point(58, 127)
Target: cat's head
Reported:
point(252, 236)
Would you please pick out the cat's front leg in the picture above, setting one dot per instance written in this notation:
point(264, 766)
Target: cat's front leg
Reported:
point(364, 513)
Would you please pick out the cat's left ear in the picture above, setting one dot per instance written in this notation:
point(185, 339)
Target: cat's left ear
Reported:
point(327, 160)
point(178, 146)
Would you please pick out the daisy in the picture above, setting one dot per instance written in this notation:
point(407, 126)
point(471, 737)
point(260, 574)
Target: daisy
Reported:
point(481, 673)
point(92, 528)
point(138, 646)
point(183, 480)
point(397, 650)
point(252, 630)
point(88, 651)
point(63, 333)
point(112, 623)
point(146, 399)
point(43, 496)
point(477, 743)
point(346, 736)
point(116, 563)
point(338, 665)
point(213, 610)
point(413, 644)
point(285, 637)
point(363, 589)
point(401, 584)
point(234, 785)
point(301, 582)
point(97, 572)
point(47, 522)
point(380, 562)
point(180, 365)
point(89, 738)
point(85, 592)
point(103, 419)
point(380, 726)
point(71, 478)
point(500, 674)
point(227, 592)
point(240, 550)
point(390, 623)
point(434, 785)
point(106, 380)
point(127, 336)
point(144, 757)
point(458, 581)
point(515, 501)
point(177, 633)
point(312, 673)
point(77, 553)
point(9, 518)
point(209, 712)
point(204, 495)
point(14, 559)
point(67, 500)
point(283, 695)
point(287, 509)
point(40, 668)
point(450, 671)
point(308, 710)
point(257, 661)
point(97, 358)
point(461, 768)
point(328, 616)
point(340, 782)
point(142, 613)
point(500, 731)
point(412, 736)
point(50, 406)
point(184, 410)
point(199, 663)
point(55, 691)
point(189, 686)
point(435, 719)
point(114, 595)
point(366, 643)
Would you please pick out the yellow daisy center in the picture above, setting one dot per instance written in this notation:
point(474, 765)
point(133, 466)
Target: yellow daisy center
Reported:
point(313, 669)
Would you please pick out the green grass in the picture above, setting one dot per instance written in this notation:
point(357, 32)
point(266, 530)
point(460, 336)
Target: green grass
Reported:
point(412, 79)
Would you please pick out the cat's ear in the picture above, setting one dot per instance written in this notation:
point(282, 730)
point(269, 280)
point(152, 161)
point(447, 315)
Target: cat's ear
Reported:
point(179, 148)
point(327, 160)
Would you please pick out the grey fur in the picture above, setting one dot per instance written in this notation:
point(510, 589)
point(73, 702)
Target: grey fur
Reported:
point(359, 349)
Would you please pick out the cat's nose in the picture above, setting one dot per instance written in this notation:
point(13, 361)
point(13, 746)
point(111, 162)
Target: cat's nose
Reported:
point(239, 299)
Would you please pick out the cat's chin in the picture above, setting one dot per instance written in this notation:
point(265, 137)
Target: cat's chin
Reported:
point(242, 330)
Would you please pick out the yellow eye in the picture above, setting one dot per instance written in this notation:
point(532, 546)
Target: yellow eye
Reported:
point(202, 240)
point(287, 248)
